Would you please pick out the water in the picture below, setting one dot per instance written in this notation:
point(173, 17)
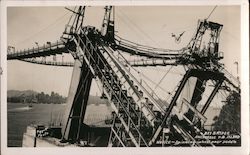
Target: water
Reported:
point(20, 116)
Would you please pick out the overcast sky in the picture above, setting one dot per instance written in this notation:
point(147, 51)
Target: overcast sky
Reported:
point(146, 25)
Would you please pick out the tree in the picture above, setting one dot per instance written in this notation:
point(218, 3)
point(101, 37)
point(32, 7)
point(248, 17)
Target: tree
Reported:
point(229, 117)
point(54, 98)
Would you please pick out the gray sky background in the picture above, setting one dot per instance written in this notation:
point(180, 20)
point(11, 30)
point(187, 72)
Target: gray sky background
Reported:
point(146, 25)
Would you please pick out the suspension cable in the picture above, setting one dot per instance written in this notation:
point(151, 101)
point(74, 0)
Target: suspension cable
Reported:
point(140, 30)
point(211, 12)
point(58, 20)
point(163, 78)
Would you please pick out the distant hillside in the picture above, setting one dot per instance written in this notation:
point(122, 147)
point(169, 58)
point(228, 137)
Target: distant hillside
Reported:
point(19, 93)
point(29, 95)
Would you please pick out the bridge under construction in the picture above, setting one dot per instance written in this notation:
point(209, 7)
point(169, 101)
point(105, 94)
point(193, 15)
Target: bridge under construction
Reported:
point(140, 118)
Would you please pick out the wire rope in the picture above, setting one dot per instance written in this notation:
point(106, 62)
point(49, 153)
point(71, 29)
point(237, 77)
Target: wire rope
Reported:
point(57, 21)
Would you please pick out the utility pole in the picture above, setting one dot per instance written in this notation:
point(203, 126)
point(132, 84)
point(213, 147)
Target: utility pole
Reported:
point(237, 69)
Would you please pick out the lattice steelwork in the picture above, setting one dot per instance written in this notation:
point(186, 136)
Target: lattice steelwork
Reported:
point(139, 117)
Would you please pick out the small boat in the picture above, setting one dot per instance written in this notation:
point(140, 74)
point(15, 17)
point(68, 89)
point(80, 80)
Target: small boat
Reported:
point(30, 105)
point(34, 100)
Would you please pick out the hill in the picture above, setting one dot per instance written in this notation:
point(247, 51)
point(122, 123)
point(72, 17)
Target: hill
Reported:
point(29, 96)
point(19, 93)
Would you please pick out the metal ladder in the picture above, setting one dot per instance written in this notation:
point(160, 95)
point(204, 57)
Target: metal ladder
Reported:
point(123, 104)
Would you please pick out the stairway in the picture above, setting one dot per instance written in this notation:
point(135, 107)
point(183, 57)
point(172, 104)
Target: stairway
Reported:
point(131, 108)
point(137, 114)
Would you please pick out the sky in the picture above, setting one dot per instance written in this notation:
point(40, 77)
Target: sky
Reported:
point(149, 25)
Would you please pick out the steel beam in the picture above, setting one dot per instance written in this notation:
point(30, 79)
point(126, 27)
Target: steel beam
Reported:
point(216, 88)
point(74, 124)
